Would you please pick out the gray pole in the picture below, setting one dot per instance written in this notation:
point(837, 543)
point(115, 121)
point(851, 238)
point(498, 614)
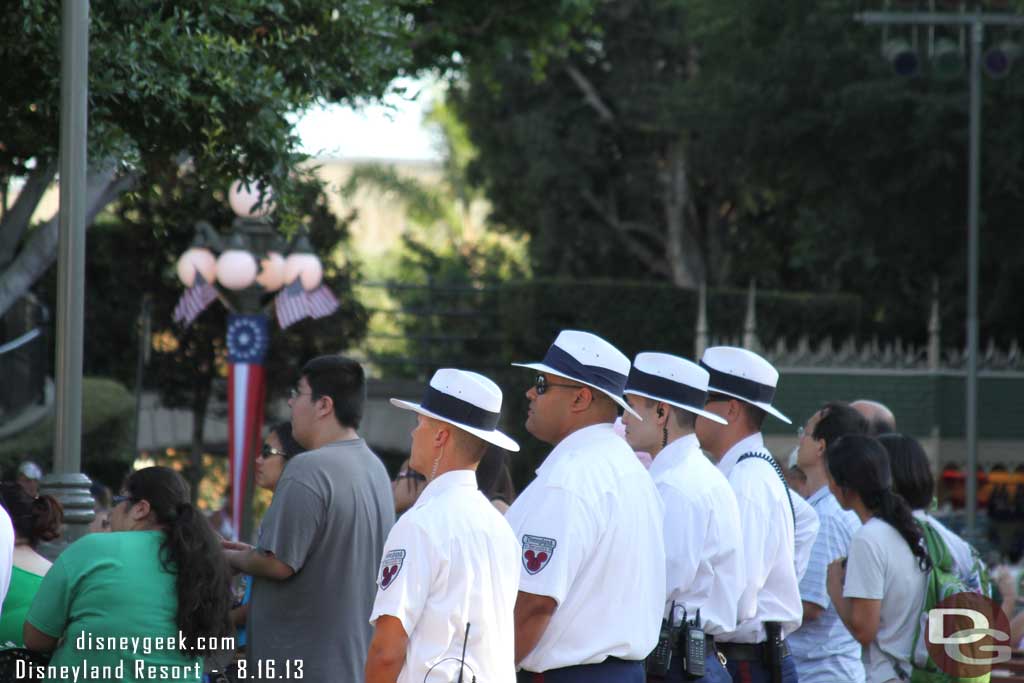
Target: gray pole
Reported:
point(67, 482)
point(973, 188)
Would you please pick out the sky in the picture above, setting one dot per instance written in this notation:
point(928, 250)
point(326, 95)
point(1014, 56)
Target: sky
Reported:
point(393, 130)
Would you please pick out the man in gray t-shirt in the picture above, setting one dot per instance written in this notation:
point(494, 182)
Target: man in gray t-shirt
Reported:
point(315, 564)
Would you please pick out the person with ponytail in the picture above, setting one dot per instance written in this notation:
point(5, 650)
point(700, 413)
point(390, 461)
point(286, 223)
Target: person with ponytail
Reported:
point(160, 575)
point(35, 520)
point(879, 588)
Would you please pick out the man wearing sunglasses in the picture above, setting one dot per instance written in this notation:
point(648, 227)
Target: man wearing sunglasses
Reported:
point(592, 587)
point(320, 541)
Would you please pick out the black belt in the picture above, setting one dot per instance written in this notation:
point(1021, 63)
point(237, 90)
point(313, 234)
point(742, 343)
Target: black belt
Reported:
point(747, 652)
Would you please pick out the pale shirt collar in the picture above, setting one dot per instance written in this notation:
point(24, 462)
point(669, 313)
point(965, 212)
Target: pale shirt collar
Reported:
point(580, 437)
point(674, 454)
point(818, 495)
point(448, 480)
point(754, 442)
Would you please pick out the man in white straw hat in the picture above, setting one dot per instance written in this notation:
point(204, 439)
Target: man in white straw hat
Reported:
point(703, 541)
point(449, 575)
point(741, 387)
point(592, 589)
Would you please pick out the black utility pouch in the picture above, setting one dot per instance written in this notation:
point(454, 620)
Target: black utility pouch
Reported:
point(773, 650)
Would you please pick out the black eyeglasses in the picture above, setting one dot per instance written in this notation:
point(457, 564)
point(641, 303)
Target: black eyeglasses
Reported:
point(117, 500)
point(269, 450)
point(541, 385)
point(713, 398)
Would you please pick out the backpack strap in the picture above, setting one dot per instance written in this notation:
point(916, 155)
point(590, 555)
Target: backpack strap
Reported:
point(760, 455)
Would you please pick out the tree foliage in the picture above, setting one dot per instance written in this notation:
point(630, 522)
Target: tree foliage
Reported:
point(722, 140)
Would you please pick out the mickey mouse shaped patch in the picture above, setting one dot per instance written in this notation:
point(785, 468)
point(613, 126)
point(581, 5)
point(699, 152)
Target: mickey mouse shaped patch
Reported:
point(537, 552)
point(390, 567)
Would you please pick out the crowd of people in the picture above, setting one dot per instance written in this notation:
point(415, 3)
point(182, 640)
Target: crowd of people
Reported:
point(659, 541)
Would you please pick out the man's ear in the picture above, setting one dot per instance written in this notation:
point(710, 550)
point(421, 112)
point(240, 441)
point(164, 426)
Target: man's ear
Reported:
point(583, 399)
point(442, 436)
point(325, 406)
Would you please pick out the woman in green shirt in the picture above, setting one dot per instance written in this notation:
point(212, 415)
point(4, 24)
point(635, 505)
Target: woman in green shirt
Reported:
point(34, 519)
point(145, 602)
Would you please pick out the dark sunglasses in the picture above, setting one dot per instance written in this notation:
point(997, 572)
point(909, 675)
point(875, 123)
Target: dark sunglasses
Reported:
point(117, 500)
point(269, 450)
point(713, 398)
point(541, 385)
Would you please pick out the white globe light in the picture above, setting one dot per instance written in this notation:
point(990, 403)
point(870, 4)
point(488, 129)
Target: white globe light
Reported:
point(271, 276)
point(243, 199)
point(196, 260)
point(236, 269)
point(305, 266)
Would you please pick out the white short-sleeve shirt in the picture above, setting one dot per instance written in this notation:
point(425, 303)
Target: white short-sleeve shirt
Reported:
point(807, 525)
point(881, 566)
point(703, 541)
point(772, 592)
point(591, 529)
point(451, 560)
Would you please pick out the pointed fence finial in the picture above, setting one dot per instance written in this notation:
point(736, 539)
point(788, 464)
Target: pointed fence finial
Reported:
point(750, 323)
point(701, 339)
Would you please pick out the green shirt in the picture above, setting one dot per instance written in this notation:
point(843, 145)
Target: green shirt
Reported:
point(24, 586)
point(103, 591)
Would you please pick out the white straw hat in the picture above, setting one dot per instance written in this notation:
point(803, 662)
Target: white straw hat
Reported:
point(673, 380)
point(465, 399)
point(744, 375)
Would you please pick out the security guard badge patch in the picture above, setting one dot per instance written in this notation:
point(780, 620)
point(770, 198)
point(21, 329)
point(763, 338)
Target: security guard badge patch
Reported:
point(537, 552)
point(390, 567)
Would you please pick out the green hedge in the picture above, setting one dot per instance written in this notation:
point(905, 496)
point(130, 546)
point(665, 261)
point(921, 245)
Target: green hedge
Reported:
point(488, 327)
point(108, 411)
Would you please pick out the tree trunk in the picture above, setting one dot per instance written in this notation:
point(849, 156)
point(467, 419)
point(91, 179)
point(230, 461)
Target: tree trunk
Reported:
point(39, 253)
point(681, 247)
point(17, 220)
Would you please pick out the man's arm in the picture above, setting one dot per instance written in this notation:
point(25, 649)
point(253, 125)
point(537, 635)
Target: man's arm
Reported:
point(386, 656)
point(36, 640)
point(812, 611)
point(532, 615)
point(258, 563)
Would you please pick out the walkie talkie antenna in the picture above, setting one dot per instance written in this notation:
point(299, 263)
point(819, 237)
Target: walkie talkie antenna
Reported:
point(462, 660)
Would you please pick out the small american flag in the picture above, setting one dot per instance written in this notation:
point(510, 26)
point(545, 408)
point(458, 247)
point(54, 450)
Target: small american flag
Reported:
point(290, 304)
point(194, 301)
point(322, 302)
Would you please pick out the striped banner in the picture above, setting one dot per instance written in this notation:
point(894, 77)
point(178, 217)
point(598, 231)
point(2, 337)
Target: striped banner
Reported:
point(247, 390)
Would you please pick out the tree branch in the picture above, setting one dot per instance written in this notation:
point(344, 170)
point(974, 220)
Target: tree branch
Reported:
point(16, 220)
point(102, 187)
point(651, 257)
point(590, 94)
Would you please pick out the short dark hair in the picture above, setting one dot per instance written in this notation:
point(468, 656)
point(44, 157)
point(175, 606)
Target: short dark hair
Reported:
point(343, 381)
point(879, 425)
point(911, 473)
point(754, 415)
point(838, 419)
point(684, 418)
point(289, 445)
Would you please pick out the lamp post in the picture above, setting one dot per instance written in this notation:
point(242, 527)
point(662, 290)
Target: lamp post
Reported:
point(247, 270)
point(997, 62)
point(67, 482)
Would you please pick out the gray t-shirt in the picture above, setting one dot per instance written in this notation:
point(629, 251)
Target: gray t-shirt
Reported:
point(331, 513)
point(880, 566)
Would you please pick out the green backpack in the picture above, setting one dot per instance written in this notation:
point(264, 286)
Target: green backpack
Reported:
point(942, 583)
